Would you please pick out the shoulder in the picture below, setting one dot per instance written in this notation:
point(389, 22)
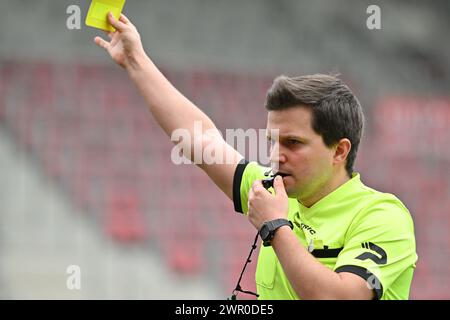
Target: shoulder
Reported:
point(244, 176)
point(382, 213)
point(248, 172)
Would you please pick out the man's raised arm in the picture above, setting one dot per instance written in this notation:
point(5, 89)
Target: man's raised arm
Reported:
point(170, 108)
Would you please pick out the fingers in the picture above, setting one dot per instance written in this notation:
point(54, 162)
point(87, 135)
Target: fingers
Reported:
point(278, 185)
point(257, 186)
point(124, 19)
point(119, 25)
point(101, 43)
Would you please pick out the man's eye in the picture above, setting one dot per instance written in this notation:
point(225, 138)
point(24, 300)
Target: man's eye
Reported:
point(292, 141)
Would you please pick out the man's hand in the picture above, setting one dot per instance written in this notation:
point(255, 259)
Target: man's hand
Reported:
point(263, 206)
point(125, 47)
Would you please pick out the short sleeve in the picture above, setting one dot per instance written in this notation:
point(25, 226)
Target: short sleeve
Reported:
point(246, 173)
point(380, 247)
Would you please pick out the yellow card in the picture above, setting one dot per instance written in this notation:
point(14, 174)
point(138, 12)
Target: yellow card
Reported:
point(97, 16)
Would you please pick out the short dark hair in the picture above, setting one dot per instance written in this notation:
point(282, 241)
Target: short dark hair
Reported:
point(336, 112)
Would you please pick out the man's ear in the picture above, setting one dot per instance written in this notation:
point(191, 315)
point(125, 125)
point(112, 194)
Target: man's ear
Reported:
point(341, 151)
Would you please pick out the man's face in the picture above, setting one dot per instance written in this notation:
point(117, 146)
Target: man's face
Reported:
point(299, 152)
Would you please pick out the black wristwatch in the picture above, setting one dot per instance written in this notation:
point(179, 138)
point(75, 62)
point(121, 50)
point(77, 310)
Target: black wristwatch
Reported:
point(268, 229)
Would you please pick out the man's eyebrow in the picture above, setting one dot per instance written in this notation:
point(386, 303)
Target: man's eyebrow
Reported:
point(288, 136)
point(293, 137)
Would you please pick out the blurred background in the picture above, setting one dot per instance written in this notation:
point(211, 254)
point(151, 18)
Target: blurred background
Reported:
point(85, 172)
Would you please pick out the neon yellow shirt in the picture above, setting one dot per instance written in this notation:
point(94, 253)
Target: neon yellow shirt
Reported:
point(353, 229)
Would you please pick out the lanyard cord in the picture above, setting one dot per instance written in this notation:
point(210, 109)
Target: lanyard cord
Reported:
point(238, 286)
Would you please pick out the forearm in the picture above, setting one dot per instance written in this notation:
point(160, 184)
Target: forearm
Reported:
point(169, 107)
point(308, 277)
point(174, 111)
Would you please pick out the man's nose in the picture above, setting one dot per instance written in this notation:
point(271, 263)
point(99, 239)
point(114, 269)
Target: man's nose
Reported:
point(276, 155)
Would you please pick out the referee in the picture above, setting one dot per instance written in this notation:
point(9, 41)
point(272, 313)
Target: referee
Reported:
point(326, 235)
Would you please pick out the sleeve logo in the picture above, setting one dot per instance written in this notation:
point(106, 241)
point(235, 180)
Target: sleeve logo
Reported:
point(381, 258)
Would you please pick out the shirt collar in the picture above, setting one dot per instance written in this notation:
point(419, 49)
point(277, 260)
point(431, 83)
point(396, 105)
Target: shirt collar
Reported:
point(332, 197)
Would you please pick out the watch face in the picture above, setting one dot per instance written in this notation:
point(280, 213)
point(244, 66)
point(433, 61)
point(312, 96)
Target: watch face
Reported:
point(264, 232)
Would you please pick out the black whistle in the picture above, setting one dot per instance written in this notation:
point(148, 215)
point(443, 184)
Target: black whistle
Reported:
point(268, 182)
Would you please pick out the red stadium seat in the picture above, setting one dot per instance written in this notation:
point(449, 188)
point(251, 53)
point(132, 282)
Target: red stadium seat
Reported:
point(185, 255)
point(123, 219)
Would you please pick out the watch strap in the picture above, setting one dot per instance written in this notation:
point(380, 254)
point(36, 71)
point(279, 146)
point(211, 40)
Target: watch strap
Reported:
point(273, 226)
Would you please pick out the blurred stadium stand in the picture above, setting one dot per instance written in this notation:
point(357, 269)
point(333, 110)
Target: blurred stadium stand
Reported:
point(85, 128)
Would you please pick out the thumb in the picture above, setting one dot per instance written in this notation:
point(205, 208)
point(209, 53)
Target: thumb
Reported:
point(278, 185)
